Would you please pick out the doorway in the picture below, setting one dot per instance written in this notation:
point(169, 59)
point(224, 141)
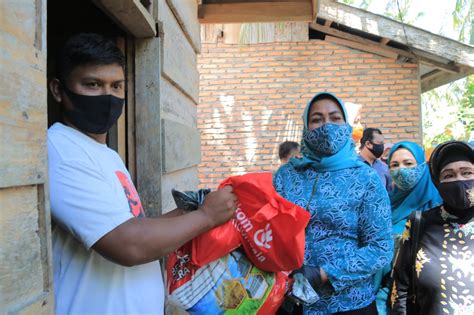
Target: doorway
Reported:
point(67, 18)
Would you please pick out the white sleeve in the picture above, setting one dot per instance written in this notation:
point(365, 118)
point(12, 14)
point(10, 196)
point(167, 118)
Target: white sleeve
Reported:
point(84, 203)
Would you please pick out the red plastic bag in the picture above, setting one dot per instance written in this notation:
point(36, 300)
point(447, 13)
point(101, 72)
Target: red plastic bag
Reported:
point(269, 227)
point(228, 285)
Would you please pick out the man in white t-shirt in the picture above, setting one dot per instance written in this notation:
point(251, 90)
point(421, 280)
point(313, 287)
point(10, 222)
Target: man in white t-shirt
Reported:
point(105, 251)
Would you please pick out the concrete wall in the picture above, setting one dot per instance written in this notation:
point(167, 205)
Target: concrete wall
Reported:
point(252, 98)
point(25, 243)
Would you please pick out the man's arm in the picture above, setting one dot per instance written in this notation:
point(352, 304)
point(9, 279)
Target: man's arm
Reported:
point(142, 240)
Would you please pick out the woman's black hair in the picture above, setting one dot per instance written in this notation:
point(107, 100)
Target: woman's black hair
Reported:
point(87, 49)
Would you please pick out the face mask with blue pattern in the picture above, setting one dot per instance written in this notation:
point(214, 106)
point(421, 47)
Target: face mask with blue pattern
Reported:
point(328, 139)
point(407, 178)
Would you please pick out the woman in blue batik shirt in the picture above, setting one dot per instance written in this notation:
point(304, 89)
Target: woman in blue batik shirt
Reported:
point(414, 190)
point(349, 236)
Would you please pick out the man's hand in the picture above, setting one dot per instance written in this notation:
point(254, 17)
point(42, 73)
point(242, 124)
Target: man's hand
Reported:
point(219, 206)
point(141, 240)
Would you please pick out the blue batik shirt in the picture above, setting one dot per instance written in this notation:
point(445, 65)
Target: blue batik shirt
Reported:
point(349, 234)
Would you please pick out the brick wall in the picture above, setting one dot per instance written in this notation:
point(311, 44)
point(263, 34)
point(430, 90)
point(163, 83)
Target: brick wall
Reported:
point(252, 98)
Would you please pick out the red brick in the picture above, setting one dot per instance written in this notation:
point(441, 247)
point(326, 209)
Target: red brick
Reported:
point(271, 84)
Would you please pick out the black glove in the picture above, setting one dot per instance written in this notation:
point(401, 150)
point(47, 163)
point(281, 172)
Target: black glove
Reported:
point(189, 200)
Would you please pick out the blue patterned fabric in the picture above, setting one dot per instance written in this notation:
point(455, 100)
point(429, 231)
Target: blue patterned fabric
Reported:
point(349, 233)
point(407, 178)
point(328, 139)
point(422, 196)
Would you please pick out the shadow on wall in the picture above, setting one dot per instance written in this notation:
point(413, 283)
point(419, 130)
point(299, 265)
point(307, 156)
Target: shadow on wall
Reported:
point(236, 141)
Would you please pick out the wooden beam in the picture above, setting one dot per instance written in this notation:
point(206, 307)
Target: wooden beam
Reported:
point(368, 48)
point(385, 27)
point(315, 8)
point(440, 65)
point(359, 39)
point(255, 12)
point(414, 56)
point(384, 41)
point(328, 23)
point(131, 15)
point(185, 12)
point(438, 78)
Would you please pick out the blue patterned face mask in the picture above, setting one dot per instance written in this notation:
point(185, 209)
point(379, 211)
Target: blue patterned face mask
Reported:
point(407, 178)
point(328, 139)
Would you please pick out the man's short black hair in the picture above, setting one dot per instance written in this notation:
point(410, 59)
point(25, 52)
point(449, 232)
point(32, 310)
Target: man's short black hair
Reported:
point(87, 49)
point(368, 135)
point(286, 147)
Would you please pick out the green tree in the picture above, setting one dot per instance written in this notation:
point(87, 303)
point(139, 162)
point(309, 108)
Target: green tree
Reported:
point(448, 111)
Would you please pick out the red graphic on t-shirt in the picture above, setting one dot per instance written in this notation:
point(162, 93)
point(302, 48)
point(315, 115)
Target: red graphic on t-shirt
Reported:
point(132, 196)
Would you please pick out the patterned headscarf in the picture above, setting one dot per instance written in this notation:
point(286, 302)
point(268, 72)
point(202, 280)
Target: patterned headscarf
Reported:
point(422, 196)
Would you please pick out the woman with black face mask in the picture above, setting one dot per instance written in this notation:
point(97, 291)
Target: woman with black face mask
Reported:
point(439, 278)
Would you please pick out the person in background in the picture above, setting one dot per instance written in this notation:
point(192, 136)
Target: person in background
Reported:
point(348, 238)
point(413, 190)
point(288, 150)
point(105, 250)
point(371, 149)
point(386, 151)
point(444, 273)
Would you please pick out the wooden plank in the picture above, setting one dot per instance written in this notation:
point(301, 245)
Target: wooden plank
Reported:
point(185, 12)
point(437, 64)
point(256, 33)
point(299, 32)
point(25, 250)
point(255, 12)
point(211, 32)
point(23, 120)
point(179, 58)
point(231, 33)
point(429, 82)
point(415, 55)
point(121, 123)
point(283, 31)
point(359, 39)
point(315, 9)
point(131, 153)
point(185, 179)
point(148, 123)
point(328, 23)
point(131, 15)
point(362, 47)
point(384, 27)
point(20, 253)
point(181, 146)
point(384, 41)
point(177, 106)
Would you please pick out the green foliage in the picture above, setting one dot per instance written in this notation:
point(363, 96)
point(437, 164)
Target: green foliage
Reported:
point(447, 111)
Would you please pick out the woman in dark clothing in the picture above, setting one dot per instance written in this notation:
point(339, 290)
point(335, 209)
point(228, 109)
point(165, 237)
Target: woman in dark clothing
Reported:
point(444, 269)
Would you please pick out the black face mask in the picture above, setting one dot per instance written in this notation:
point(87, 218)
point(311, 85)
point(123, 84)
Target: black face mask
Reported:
point(377, 149)
point(458, 195)
point(93, 114)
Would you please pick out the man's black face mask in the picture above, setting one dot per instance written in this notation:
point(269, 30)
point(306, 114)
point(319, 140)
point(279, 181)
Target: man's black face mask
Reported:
point(93, 114)
point(377, 149)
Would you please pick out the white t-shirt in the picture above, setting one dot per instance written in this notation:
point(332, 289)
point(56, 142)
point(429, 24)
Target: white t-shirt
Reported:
point(91, 194)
